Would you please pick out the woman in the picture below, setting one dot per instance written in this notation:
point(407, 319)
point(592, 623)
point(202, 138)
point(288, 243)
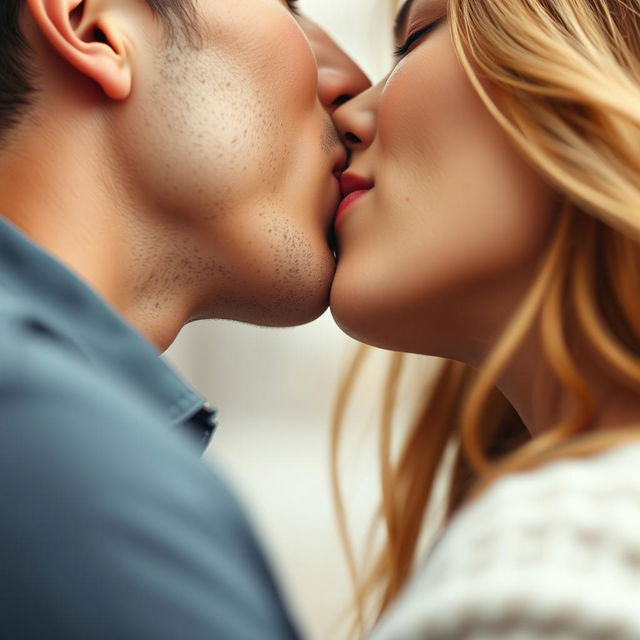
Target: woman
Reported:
point(492, 218)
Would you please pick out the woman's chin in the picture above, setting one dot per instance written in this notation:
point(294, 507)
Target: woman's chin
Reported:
point(373, 315)
point(365, 321)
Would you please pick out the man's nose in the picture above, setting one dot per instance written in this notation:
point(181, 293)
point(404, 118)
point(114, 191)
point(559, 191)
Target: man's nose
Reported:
point(339, 77)
point(339, 80)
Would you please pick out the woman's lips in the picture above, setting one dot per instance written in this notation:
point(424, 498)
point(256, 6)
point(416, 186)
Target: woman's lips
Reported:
point(347, 201)
point(353, 188)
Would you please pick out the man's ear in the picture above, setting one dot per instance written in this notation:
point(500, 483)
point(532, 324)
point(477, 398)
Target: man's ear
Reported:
point(85, 34)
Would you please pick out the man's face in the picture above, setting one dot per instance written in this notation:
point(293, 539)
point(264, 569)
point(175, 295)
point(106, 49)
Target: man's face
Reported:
point(233, 151)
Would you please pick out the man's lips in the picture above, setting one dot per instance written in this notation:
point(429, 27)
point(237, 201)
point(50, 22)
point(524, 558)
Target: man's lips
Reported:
point(353, 187)
point(333, 191)
point(340, 164)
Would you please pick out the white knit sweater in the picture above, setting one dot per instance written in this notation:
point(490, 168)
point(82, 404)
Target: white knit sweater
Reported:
point(552, 554)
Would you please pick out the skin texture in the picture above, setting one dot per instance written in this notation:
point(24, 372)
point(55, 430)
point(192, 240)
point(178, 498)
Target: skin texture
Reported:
point(181, 180)
point(432, 258)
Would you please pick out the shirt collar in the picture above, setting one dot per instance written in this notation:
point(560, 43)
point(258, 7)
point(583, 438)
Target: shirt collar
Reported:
point(64, 300)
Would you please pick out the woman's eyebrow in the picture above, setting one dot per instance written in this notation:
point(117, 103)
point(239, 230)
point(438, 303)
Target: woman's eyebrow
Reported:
point(401, 18)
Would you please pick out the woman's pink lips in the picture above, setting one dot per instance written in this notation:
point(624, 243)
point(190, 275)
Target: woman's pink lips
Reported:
point(347, 201)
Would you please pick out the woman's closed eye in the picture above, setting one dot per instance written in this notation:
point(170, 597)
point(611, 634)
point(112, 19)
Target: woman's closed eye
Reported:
point(293, 6)
point(414, 38)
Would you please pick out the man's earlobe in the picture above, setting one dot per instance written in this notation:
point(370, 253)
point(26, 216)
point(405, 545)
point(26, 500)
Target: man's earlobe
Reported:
point(85, 34)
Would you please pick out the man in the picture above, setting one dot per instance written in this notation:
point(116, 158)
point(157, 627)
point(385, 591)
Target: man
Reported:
point(160, 161)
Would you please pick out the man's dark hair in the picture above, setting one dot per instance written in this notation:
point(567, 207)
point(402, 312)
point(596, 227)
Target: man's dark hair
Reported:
point(17, 79)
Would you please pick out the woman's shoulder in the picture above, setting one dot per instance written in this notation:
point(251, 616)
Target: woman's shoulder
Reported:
point(550, 553)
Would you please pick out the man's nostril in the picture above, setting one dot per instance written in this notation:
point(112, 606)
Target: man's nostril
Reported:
point(351, 137)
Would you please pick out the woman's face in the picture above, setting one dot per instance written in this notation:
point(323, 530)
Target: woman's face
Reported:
point(434, 256)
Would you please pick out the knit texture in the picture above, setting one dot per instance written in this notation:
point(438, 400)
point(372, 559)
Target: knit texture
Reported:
point(551, 554)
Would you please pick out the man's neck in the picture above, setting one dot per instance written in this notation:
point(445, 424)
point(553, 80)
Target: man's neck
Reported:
point(71, 205)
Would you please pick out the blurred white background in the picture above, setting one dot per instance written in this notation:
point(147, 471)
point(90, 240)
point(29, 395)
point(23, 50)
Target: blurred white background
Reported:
point(275, 390)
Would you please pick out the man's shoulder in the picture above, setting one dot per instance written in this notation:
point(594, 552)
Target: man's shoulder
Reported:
point(38, 355)
point(121, 522)
point(62, 409)
point(58, 403)
point(22, 311)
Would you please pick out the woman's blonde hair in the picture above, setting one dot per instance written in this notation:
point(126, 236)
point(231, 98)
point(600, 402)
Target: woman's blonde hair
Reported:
point(565, 87)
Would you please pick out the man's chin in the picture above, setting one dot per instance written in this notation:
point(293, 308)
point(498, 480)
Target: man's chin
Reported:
point(301, 297)
point(287, 315)
point(300, 316)
point(297, 298)
point(296, 307)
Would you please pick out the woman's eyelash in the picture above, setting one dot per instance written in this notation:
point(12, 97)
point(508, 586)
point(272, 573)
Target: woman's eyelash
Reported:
point(293, 6)
point(403, 49)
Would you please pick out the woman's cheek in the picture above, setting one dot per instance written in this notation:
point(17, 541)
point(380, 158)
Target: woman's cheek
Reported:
point(416, 104)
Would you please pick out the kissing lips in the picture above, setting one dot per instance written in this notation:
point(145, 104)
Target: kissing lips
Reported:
point(353, 188)
point(347, 201)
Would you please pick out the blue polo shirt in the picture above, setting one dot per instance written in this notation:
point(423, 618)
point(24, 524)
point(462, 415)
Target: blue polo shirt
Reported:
point(111, 526)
